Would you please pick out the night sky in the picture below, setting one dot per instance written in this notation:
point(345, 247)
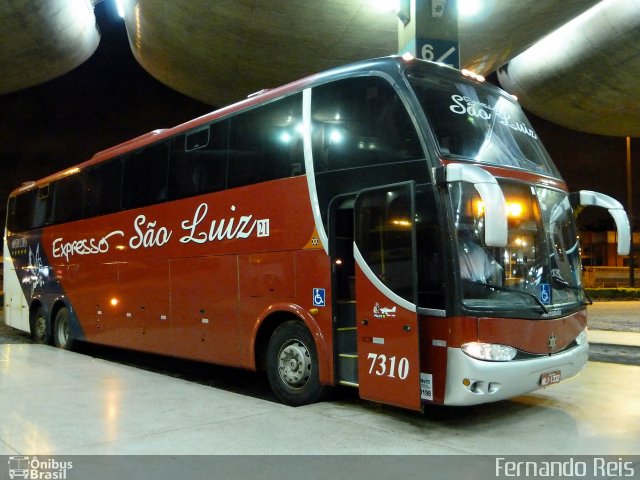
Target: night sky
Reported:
point(111, 98)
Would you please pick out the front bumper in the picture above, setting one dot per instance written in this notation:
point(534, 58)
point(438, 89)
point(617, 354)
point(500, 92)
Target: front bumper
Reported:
point(492, 381)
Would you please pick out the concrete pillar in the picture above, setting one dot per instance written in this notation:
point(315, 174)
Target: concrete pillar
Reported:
point(428, 29)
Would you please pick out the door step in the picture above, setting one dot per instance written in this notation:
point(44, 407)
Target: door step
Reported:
point(346, 339)
point(348, 369)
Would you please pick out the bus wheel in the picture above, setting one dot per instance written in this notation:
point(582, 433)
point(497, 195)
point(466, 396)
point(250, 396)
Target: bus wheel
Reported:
point(292, 365)
point(40, 328)
point(62, 337)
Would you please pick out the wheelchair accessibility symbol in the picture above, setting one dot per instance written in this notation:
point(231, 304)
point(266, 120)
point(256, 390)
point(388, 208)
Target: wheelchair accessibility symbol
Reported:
point(545, 293)
point(318, 297)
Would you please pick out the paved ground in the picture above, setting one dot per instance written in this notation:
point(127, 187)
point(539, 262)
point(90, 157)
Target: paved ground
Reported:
point(616, 316)
point(614, 332)
point(56, 402)
point(11, 335)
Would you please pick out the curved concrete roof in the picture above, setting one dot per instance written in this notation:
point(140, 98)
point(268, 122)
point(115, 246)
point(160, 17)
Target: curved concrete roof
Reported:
point(43, 39)
point(218, 52)
point(586, 74)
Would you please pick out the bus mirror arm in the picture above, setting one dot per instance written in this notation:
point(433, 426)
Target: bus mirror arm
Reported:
point(495, 216)
point(588, 198)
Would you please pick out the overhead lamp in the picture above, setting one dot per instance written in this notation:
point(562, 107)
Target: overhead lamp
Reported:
point(468, 8)
point(386, 5)
point(120, 8)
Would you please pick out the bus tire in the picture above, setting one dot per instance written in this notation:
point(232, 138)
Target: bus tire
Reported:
point(292, 365)
point(40, 332)
point(62, 336)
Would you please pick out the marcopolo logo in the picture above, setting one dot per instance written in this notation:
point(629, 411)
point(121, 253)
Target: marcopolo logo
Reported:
point(38, 469)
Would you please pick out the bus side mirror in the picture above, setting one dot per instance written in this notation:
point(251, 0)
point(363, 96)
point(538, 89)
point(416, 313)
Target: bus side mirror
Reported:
point(588, 198)
point(495, 211)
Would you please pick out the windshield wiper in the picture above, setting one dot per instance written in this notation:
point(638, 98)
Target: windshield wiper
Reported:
point(513, 290)
point(557, 277)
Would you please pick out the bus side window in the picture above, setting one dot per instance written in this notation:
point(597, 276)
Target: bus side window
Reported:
point(66, 199)
point(361, 133)
point(24, 207)
point(11, 215)
point(266, 143)
point(198, 161)
point(144, 178)
point(360, 122)
point(40, 208)
point(11, 208)
point(104, 186)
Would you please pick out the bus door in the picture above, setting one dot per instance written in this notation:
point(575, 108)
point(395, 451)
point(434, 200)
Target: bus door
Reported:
point(386, 285)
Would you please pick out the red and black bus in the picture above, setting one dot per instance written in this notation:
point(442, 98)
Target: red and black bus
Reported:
point(392, 225)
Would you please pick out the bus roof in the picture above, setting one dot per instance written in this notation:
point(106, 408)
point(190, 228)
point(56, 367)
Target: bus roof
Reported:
point(390, 64)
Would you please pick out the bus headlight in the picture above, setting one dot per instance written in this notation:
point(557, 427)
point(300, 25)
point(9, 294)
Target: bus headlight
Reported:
point(581, 339)
point(489, 351)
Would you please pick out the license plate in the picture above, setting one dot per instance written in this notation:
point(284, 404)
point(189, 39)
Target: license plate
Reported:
point(549, 378)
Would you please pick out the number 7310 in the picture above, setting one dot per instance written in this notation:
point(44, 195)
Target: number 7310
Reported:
point(382, 365)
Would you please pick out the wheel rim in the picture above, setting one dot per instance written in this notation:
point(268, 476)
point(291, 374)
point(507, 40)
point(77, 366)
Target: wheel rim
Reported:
point(62, 331)
point(40, 328)
point(294, 364)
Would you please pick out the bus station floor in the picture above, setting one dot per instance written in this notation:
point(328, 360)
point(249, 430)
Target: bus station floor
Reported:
point(609, 337)
point(54, 402)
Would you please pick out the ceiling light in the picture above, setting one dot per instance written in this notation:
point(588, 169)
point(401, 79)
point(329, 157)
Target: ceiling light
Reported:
point(386, 5)
point(468, 8)
point(120, 8)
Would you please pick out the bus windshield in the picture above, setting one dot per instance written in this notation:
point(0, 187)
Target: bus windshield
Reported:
point(479, 123)
point(540, 266)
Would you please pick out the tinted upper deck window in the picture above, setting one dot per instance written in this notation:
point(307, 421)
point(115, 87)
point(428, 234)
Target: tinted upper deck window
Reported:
point(198, 161)
point(104, 188)
point(66, 199)
point(359, 122)
point(265, 143)
point(145, 176)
